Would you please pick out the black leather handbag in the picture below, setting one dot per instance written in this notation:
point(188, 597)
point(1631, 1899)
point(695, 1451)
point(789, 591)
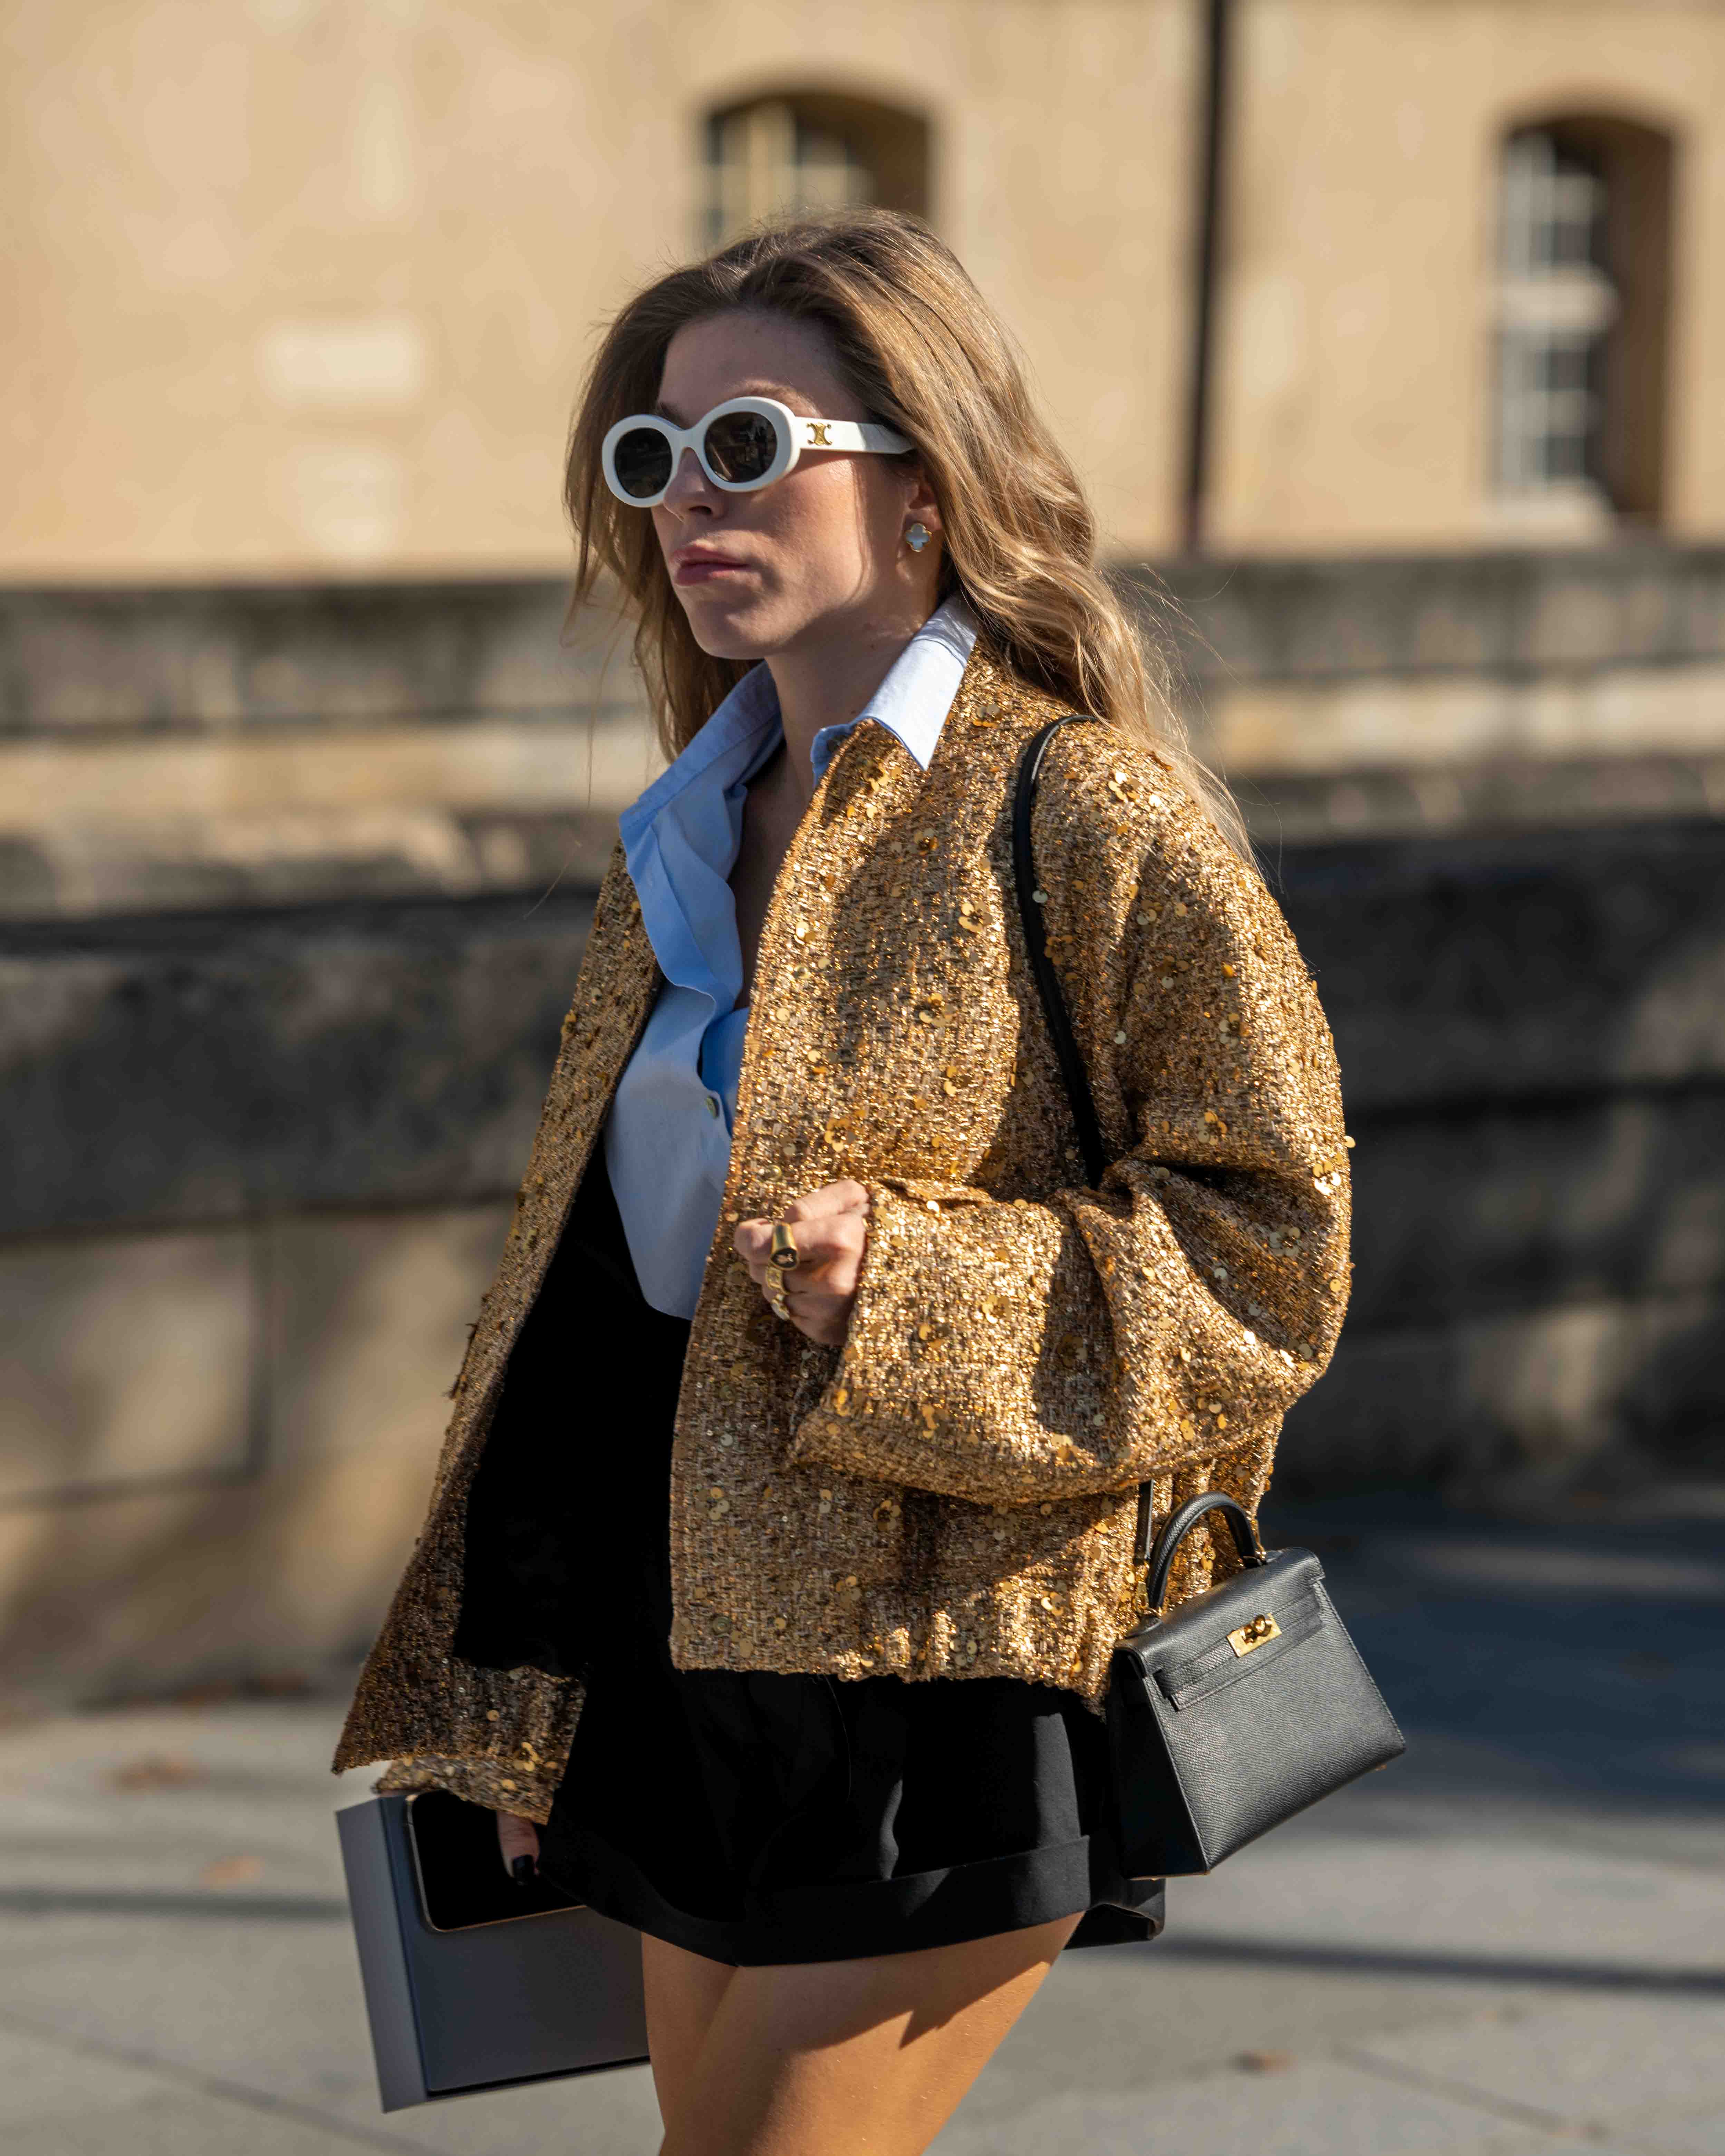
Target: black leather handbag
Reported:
point(1243, 1706)
point(1249, 1702)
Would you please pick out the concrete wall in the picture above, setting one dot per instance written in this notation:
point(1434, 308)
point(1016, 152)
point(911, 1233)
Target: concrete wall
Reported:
point(268, 1073)
point(256, 1168)
point(1532, 1032)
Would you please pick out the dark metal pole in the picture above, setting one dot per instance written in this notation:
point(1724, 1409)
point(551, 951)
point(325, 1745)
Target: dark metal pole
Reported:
point(1212, 154)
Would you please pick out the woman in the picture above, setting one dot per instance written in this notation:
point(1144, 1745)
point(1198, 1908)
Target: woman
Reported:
point(773, 1602)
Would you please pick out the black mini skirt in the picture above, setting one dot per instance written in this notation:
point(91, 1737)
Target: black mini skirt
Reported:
point(750, 1816)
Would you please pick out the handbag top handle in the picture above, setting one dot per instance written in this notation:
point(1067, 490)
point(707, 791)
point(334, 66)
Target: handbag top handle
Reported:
point(1088, 1125)
point(1179, 1524)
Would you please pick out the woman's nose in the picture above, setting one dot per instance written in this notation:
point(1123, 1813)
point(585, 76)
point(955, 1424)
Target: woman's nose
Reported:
point(689, 487)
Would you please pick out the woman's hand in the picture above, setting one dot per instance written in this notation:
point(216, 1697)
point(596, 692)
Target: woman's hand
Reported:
point(517, 1838)
point(831, 1228)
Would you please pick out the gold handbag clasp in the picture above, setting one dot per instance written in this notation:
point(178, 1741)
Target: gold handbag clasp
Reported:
point(1244, 1637)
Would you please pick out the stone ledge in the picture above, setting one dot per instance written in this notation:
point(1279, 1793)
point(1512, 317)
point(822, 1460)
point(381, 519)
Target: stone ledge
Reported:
point(1510, 612)
point(1458, 725)
point(249, 745)
point(1296, 808)
point(300, 858)
point(91, 662)
point(209, 1068)
point(72, 867)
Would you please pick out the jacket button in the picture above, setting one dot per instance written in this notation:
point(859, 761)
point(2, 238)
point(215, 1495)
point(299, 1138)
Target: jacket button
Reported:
point(712, 1105)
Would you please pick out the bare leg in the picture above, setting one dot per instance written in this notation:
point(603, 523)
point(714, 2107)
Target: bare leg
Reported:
point(683, 1991)
point(855, 2058)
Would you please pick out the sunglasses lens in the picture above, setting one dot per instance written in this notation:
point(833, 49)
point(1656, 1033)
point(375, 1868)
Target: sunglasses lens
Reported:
point(740, 446)
point(643, 463)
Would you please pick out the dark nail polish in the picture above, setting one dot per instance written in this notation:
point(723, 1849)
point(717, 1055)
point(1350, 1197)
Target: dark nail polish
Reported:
point(521, 1870)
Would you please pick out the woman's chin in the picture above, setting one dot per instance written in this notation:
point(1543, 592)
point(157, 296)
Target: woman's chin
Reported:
point(729, 632)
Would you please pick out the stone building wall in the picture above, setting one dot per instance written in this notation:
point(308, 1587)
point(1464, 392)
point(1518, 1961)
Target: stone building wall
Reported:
point(310, 287)
point(293, 888)
point(1359, 298)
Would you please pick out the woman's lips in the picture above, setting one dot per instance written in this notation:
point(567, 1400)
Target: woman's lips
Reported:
point(702, 568)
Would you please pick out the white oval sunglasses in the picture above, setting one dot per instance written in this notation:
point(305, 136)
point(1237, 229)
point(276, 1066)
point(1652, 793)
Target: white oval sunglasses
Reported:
point(745, 443)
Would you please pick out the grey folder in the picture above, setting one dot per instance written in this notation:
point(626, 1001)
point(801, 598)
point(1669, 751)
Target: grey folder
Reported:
point(472, 1982)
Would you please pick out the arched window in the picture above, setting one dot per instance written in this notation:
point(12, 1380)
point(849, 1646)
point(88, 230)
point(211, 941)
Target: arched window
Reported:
point(1583, 268)
point(811, 150)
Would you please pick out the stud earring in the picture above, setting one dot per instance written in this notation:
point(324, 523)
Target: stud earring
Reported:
point(918, 537)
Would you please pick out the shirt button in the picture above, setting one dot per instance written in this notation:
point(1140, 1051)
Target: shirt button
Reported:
point(712, 1105)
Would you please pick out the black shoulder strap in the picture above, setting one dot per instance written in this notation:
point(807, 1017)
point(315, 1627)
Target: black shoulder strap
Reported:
point(1031, 898)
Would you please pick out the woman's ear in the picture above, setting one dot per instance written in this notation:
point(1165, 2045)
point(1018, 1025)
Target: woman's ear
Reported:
point(920, 506)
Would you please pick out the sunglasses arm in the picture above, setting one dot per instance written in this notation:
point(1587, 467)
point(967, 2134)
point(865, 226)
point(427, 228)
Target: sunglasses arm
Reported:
point(848, 434)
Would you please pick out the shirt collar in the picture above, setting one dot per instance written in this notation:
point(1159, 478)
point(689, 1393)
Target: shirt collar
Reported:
point(735, 741)
point(911, 703)
point(913, 700)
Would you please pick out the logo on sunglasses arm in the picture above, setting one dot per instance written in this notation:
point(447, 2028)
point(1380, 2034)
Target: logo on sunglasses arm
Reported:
point(818, 438)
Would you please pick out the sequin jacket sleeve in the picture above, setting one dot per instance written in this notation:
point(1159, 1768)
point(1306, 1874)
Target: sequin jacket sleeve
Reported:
point(1011, 1353)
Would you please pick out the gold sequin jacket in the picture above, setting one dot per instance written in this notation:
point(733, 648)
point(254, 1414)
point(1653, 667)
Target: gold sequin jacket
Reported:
point(953, 1492)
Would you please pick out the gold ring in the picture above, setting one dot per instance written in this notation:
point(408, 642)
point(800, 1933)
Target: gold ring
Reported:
point(776, 1302)
point(784, 1253)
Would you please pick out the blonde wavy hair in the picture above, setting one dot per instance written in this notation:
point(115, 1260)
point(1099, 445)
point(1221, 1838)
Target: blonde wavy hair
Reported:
point(923, 351)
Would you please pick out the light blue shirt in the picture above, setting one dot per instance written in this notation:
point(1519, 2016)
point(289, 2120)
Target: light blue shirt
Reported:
point(668, 1136)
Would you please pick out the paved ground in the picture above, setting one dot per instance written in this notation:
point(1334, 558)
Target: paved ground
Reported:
point(1513, 1941)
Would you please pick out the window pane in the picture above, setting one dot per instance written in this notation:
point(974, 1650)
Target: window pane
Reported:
point(1566, 456)
point(1555, 311)
point(766, 161)
point(1566, 366)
